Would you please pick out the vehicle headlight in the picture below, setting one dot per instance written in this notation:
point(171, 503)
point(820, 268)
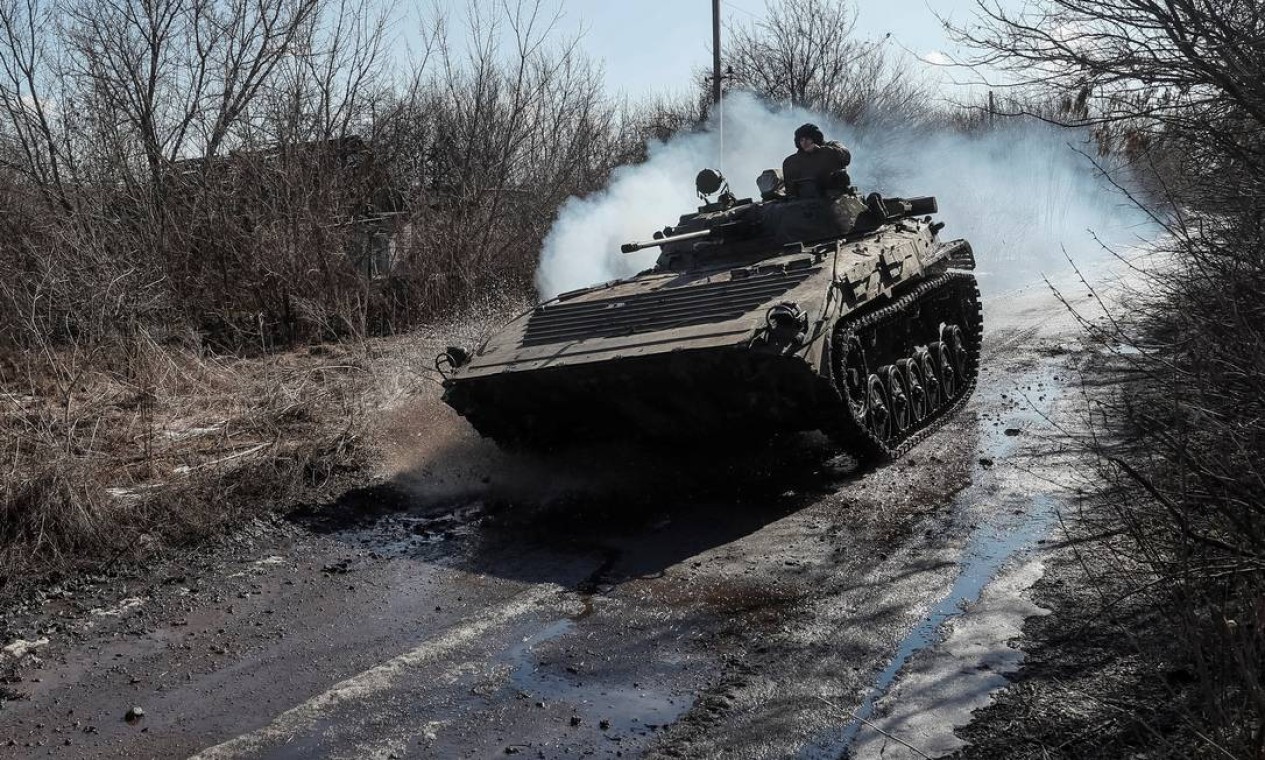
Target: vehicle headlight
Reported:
point(787, 319)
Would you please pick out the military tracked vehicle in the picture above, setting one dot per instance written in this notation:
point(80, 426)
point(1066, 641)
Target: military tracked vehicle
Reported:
point(807, 310)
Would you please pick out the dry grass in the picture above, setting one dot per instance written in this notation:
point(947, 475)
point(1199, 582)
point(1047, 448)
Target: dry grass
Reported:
point(127, 451)
point(101, 466)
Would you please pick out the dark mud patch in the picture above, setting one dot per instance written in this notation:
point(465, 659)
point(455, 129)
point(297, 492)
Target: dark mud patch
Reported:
point(633, 511)
point(751, 599)
point(357, 508)
point(10, 694)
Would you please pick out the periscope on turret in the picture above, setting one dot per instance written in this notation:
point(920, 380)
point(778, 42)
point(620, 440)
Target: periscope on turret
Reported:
point(818, 310)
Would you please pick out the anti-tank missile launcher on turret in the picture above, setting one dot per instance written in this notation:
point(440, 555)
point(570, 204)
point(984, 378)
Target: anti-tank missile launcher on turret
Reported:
point(817, 310)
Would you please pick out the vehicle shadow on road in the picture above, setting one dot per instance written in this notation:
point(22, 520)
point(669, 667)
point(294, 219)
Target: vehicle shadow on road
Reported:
point(585, 519)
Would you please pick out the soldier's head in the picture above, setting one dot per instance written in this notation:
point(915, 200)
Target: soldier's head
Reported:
point(808, 137)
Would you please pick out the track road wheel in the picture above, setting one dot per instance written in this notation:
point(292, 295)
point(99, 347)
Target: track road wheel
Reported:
point(945, 373)
point(955, 341)
point(852, 376)
point(878, 417)
point(917, 387)
point(899, 397)
point(930, 381)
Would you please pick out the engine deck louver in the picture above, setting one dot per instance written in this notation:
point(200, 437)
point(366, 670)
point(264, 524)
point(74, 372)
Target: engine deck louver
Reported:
point(657, 310)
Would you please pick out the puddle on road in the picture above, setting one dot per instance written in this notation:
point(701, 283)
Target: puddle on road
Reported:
point(1006, 534)
point(624, 708)
point(990, 547)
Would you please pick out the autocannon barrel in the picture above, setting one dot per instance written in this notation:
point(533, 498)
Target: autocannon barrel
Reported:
point(740, 228)
point(637, 246)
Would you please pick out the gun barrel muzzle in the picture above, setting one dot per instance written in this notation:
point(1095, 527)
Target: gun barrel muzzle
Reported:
point(633, 247)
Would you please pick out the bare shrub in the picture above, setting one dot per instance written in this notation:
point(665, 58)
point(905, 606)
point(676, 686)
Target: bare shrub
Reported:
point(1176, 88)
point(489, 146)
point(806, 53)
point(239, 162)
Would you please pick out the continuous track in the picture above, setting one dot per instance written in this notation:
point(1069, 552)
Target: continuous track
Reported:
point(912, 327)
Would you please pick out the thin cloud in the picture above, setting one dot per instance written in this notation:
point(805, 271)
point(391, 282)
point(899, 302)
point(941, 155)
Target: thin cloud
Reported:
point(936, 58)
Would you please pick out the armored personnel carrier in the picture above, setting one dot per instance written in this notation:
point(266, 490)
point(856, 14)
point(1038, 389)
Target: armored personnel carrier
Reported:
point(808, 310)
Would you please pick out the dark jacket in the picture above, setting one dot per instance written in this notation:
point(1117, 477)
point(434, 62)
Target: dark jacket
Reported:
point(817, 166)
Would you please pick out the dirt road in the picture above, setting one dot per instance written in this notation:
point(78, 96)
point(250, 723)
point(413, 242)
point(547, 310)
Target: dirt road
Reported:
point(752, 604)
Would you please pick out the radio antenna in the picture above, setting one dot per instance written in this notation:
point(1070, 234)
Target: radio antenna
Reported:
point(720, 111)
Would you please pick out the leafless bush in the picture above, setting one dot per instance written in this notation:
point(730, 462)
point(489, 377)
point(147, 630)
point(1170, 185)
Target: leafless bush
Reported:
point(806, 53)
point(183, 180)
point(661, 117)
point(1177, 83)
point(206, 151)
point(1176, 88)
point(488, 148)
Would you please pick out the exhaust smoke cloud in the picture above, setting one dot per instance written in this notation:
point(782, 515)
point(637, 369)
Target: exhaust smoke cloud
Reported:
point(1022, 194)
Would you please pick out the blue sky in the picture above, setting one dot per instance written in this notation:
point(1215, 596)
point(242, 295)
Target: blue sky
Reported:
point(652, 46)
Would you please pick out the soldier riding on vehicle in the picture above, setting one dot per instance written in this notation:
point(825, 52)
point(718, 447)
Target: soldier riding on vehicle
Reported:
point(818, 167)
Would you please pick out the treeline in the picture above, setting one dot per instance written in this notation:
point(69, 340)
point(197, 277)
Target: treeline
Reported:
point(243, 175)
point(250, 173)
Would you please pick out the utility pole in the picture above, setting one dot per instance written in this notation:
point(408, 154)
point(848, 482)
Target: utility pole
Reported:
point(716, 52)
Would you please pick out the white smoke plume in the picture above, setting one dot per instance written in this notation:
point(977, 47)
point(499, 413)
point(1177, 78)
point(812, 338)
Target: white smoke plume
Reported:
point(1022, 194)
